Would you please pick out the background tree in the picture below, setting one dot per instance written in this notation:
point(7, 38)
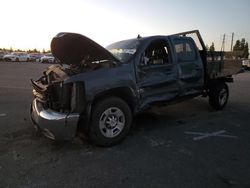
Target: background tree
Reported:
point(246, 51)
point(33, 51)
point(212, 48)
point(237, 46)
point(242, 46)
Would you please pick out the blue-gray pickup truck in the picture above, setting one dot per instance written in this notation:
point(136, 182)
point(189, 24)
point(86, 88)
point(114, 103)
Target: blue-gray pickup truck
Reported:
point(99, 90)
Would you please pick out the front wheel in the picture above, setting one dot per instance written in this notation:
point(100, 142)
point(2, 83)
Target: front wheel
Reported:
point(110, 121)
point(218, 95)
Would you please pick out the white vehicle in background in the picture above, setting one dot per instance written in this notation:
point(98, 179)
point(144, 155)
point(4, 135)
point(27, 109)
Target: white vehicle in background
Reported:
point(36, 57)
point(246, 63)
point(1, 55)
point(48, 58)
point(16, 56)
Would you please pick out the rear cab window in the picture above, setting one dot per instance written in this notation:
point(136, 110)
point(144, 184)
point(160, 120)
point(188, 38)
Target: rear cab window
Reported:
point(185, 50)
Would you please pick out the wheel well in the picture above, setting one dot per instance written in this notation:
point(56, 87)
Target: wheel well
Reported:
point(214, 82)
point(7, 59)
point(124, 93)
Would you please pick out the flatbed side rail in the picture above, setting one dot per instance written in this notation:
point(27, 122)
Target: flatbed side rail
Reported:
point(217, 64)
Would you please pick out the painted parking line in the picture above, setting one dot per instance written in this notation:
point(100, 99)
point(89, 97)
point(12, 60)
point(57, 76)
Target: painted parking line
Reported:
point(201, 136)
point(2, 115)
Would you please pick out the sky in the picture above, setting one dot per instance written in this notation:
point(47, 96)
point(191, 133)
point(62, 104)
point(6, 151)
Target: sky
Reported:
point(29, 24)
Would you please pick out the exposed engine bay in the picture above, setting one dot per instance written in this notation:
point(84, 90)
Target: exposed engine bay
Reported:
point(51, 91)
point(75, 54)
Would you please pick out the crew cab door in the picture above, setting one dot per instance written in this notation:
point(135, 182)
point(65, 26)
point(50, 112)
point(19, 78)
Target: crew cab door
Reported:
point(157, 75)
point(190, 66)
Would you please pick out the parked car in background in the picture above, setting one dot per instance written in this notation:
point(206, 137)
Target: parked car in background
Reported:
point(48, 58)
point(16, 56)
point(1, 55)
point(246, 63)
point(35, 57)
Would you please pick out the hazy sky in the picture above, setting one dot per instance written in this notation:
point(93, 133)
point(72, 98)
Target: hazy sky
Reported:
point(32, 23)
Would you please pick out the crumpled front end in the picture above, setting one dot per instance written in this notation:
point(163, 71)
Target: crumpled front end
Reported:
point(57, 104)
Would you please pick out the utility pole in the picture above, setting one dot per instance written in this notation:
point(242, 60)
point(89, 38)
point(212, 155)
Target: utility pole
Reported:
point(223, 43)
point(232, 41)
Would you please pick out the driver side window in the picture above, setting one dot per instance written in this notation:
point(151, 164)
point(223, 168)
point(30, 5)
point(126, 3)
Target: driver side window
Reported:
point(156, 53)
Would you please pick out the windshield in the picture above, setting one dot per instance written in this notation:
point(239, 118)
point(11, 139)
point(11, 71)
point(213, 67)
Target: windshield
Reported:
point(124, 50)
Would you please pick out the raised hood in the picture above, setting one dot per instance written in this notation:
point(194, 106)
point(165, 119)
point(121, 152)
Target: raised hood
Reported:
point(72, 48)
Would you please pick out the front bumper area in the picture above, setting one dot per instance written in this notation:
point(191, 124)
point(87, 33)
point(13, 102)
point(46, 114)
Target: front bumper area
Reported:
point(54, 125)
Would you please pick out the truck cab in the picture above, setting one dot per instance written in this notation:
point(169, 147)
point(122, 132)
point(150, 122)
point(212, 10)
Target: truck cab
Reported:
point(169, 64)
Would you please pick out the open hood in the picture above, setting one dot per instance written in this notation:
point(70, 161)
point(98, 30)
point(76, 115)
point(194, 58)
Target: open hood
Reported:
point(72, 48)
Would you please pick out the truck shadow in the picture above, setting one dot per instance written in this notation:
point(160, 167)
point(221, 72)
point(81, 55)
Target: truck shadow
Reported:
point(170, 116)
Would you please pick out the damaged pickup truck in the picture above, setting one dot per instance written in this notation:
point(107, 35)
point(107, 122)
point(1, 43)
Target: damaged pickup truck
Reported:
point(99, 90)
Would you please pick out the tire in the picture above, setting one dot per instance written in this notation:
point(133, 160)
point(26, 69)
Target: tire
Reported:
point(17, 60)
point(218, 95)
point(110, 121)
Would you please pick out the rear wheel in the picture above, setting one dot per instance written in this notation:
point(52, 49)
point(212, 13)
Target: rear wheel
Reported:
point(110, 121)
point(218, 95)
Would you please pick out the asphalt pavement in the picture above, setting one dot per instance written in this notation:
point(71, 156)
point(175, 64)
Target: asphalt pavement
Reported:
point(183, 145)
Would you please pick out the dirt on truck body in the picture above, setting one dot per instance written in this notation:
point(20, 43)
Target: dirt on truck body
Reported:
point(100, 89)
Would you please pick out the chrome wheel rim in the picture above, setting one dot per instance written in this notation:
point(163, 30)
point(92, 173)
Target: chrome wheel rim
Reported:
point(223, 96)
point(112, 122)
